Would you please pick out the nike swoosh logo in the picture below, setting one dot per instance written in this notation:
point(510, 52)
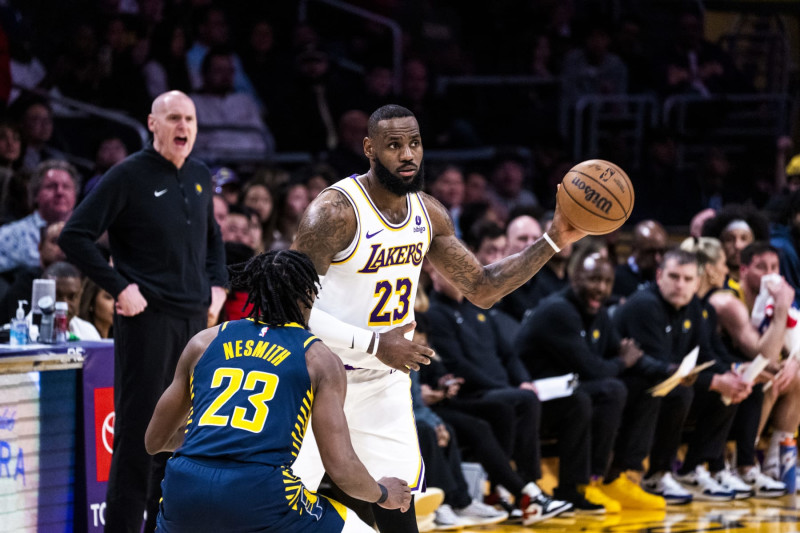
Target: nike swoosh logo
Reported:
point(159, 193)
point(371, 235)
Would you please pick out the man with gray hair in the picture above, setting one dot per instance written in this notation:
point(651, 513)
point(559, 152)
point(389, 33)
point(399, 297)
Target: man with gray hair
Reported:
point(53, 187)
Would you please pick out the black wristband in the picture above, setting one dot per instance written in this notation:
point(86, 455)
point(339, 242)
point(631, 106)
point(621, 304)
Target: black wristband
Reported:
point(384, 494)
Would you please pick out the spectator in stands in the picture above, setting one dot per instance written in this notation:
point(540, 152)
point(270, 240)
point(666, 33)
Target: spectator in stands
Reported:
point(631, 48)
point(593, 69)
point(265, 65)
point(292, 201)
point(97, 309)
point(521, 232)
point(648, 247)
point(237, 225)
point(718, 181)
point(736, 226)
point(10, 148)
point(488, 241)
point(110, 152)
point(167, 66)
point(258, 196)
point(476, 187)
point(665, 191)
point(784, 235)
point(22, 277)
point(667, 321)
point(226, 184)
point(378, 90)
point(10, 152)
point(741, 342)
point(571, 332)
point(348, 156)
point(317, 178)
point(447, 186)
point(442, 125)
point(221, 208)
point(476, 345)
point(211, 30)
point(508, 186)
point(693, 65)
point(15, 200)
point(746, 341)
point(124, 85)
point(78, 72)
point(54, 187)
point(697, 222)
point(224, 114)
point(68, 285)
point(319, 95)
point(35, 117)
point(27, 70)
point(439, 448)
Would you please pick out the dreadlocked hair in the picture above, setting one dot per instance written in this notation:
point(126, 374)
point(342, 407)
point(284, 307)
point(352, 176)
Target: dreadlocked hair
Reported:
point(275, 282)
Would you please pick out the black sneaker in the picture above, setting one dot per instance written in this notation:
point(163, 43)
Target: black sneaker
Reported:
point(579, 503)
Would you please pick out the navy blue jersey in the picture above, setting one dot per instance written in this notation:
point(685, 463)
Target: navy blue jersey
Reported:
point(251, 395)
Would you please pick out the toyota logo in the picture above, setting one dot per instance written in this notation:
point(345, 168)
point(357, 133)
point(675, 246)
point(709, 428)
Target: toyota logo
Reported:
point(108, 432)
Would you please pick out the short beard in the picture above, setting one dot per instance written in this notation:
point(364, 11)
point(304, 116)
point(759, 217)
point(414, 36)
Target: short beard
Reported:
point(396, 185)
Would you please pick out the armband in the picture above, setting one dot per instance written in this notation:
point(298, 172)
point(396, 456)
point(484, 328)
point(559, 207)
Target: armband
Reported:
point(384, 494)
point(375, 346)
point(551, 242)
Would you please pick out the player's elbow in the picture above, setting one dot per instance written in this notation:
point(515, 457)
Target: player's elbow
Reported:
point(483, 301)
point(152, 443)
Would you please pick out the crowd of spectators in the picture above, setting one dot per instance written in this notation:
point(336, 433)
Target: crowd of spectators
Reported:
point(265, 82)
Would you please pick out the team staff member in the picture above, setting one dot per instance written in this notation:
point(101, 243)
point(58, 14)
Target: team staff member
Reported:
point(368, 235)
point(571, 331)
point(168, 267)
point(233, 470)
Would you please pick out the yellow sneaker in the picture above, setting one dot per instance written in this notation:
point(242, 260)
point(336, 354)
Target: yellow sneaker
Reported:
point(631, 496)
point(593, 494)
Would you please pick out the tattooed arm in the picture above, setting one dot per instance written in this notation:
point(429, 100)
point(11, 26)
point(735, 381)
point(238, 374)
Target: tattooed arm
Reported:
point(485, 285)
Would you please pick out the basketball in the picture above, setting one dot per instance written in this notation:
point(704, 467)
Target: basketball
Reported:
point(596, 196)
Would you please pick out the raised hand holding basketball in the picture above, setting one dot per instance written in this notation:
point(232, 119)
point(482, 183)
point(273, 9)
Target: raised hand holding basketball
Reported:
point(595, 197)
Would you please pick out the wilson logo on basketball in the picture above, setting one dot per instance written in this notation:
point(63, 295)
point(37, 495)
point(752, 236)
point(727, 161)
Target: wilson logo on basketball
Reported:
point(592, 195)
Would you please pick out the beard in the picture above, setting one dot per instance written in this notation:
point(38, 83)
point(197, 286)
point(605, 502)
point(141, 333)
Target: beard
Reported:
point(396, 185)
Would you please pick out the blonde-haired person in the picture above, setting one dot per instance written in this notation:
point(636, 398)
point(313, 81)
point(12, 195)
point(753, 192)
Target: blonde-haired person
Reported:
point(741, 343)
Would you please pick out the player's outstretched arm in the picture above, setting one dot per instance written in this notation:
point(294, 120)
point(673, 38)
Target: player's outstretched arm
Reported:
point(166, 429)
point(333, 436)
point(485, 285)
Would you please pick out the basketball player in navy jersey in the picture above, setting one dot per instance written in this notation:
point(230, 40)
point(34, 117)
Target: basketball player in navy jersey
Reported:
point(237, 411)
point(367, 236)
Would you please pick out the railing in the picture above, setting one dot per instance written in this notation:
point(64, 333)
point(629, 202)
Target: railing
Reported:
point(443, 83)
point(635, 113)
point(68, 107)
point(394, 27)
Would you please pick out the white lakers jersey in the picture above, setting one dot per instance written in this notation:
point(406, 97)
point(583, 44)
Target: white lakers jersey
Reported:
point(372, 283)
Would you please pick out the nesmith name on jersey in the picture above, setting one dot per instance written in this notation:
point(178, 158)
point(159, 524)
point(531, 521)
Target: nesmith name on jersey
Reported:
point(275, 354)
point(396, 255)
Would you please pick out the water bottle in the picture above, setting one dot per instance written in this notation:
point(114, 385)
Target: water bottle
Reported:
point(60, 323)
point(788, 453)
point(47, 307)
point(19, 326)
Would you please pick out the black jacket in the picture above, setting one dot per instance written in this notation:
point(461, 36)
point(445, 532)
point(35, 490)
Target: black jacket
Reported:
point(666, 333)
point(475, 344)
point(559, 337)
point(161, 230)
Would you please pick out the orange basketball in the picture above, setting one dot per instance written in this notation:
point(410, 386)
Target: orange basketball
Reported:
point(596, 196)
